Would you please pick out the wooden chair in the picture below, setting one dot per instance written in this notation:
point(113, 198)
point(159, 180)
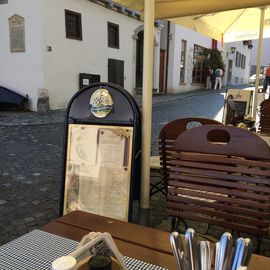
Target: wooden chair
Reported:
point(264, 123)
point(167, 136)
point(226, 184)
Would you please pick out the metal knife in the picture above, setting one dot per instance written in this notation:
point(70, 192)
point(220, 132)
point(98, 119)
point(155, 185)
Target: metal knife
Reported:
point(192, 249)
point(217, 256)
point(225, 253)
point(176, 248)
point(239, 248)
point(205, 255)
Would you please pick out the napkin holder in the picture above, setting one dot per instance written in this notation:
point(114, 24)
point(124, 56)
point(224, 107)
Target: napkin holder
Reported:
point(98, 243)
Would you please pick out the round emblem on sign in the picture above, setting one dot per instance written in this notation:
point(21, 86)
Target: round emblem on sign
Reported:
point(101, 103)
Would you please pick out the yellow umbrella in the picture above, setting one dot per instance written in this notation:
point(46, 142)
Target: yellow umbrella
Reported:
point(229, 26)
point(233, 25)
point(166, 9)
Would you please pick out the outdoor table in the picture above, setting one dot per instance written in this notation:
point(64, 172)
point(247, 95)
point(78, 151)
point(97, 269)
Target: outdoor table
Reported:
point(135, 241)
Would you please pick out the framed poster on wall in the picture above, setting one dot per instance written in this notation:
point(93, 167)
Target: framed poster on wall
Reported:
point(98, 170)
point(238, 104)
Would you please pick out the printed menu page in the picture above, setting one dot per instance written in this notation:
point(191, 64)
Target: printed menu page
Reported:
point(98, 171)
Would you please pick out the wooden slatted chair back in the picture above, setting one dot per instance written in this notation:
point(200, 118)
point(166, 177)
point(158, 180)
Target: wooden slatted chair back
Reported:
point(169, 133)
point(221, 183)
point(264, 123)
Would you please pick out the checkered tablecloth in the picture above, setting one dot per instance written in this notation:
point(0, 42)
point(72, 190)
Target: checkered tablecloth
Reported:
point(37, 249)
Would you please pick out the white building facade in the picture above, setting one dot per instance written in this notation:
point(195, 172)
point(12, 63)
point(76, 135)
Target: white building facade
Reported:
point(186, 69)
point(265, 55)
point(52, 60)
point(237, 59)
point(66, 44)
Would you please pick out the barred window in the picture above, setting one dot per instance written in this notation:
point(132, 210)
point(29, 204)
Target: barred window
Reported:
point(73, 25)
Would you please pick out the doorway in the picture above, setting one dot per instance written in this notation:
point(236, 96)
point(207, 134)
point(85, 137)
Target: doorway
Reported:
point(116, 72)
point(229, 77)
point(161, 70)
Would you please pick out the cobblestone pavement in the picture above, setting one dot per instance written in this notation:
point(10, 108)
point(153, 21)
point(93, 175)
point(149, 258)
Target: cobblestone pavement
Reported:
point(31, 153)
point(30, 166)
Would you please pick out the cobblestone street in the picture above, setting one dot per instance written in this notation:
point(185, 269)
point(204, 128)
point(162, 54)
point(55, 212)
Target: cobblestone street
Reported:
point(31, 156)
point(30, 173)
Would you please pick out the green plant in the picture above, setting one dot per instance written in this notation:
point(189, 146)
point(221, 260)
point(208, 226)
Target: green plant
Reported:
point(214, 58)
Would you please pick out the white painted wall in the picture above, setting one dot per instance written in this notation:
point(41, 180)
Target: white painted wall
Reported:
point(164, 33)
point(22, 72)
point(237, 72)
point(70, 57)
point(265, 52)
point(178, 33)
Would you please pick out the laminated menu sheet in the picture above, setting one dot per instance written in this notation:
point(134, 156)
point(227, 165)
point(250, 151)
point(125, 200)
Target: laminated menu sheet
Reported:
point(98, 170)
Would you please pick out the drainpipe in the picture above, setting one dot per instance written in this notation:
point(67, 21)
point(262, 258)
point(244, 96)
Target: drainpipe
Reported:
point(167, 57)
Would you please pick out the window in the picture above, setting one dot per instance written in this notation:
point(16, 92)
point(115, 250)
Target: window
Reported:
point(113, 35)
point(183, 61)
point(198, 59)
point(238, 59)
point(73, 25)
point(243, 61)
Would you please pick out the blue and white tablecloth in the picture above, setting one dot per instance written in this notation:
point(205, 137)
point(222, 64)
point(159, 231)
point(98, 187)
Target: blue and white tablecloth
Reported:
point(37, 249)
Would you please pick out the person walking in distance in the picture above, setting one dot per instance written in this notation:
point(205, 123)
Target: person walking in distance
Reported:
point(209, 74)
point(267, 79)
point(218, 75)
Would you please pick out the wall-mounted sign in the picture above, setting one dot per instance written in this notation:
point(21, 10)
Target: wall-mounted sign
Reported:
point(17, 33)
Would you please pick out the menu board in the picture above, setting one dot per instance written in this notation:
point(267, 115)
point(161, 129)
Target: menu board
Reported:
point(98, 170)
point(238, 103)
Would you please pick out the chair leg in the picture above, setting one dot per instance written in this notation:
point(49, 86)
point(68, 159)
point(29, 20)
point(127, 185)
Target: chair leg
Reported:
point(208, 228)
point(184, 222)
point(175, 224)
point(258, 248)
